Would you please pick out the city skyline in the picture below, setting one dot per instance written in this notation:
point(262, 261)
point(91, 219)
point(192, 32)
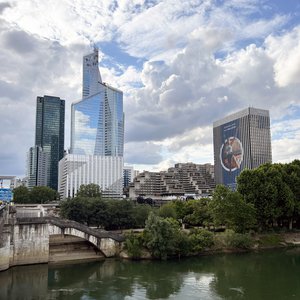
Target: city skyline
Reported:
point(181, 67)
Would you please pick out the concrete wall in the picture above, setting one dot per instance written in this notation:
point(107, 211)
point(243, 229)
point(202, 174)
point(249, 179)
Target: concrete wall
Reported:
point(30, 244)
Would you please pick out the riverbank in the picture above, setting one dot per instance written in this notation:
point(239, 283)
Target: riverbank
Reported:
point(228, 242)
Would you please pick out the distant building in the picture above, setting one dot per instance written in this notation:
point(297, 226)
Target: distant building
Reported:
point(241, 141)
point(38, 165)
point(106, 171)
point(128, 175)
point(181, 180)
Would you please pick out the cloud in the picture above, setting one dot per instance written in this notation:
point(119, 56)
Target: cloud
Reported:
point(203, 59)
point(142, 153)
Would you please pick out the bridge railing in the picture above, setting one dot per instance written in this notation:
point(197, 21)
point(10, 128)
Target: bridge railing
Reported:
point(64, 223)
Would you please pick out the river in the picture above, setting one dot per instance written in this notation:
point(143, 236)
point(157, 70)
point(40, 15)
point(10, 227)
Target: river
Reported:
point(273, 274)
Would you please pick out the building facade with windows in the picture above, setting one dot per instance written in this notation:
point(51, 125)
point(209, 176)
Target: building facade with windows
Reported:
point(43, 158)
point(106, 171)
point(241, 141)
point(97, 136)
point(97, 125)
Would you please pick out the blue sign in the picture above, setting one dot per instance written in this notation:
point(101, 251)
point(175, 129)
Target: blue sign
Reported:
point(6, 195)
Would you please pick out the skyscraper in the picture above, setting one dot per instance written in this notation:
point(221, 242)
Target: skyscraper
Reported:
point(97, 136)
point(49, 134)
point(91, 78)
point(98, 123)
point(241, 141)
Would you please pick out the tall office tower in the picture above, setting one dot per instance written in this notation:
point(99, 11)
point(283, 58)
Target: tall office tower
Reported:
point(241, 141)
point(97, 131)
point(91, 75)
point(37, 167)
point(49, 133)
point(98, 123)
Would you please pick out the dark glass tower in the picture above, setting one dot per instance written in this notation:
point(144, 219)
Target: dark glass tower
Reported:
point(49, 133)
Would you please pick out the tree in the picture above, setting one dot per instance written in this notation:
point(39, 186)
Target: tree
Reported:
point(21, 194)
point(230, 209)
point(89, 190)
point(167, 211)
point(160, 236)
point(272, 189)
point(42, 194)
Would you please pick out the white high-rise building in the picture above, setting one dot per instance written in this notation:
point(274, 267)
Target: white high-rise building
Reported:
point(106, 171)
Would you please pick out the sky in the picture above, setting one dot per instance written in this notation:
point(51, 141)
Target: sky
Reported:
point(181, 66)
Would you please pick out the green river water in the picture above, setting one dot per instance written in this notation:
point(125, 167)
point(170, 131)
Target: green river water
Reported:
point(268, 275)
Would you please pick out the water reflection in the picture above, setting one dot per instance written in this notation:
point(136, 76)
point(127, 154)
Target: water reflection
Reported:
point(268, 275)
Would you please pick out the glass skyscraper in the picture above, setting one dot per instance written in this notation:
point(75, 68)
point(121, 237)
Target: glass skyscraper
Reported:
point(241, 141)
point(97, 137)
point(97, 120)
point(49, 133)
point(91, 75)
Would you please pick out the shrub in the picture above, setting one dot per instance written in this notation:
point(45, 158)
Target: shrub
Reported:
point(201, 239)
point(231, 239)
point(270, 239)
point(134, 245)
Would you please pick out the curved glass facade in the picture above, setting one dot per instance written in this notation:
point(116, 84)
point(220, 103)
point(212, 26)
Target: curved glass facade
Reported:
point(91, 75)
point(98, 124)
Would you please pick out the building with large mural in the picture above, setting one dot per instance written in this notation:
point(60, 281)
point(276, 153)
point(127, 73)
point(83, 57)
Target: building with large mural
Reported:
point(241, 141)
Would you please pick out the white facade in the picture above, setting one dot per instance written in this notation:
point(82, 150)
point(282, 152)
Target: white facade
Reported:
point(75, 170)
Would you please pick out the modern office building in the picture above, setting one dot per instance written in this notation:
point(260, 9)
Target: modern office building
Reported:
point(97, 134)
point(91, 78)
point(49, 134)
point(106, 171)
point(37, 167)
point(98, 123)
point(241, 141)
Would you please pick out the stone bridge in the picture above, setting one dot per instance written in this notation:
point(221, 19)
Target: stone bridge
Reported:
point(107, 242)
point(26, 240)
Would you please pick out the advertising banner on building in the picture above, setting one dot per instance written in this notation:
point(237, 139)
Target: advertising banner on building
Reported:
point(6, 194)
point(231, 153)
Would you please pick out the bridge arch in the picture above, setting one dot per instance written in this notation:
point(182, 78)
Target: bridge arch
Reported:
point(107, 245)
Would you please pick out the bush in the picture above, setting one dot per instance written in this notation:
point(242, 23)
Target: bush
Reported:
point(231, 239)
point(270, 239)
point(133, 245)
point(201, 239)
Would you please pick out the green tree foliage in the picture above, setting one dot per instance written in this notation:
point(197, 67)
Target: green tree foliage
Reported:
point(230, 209)
point(110, 214)
point(167, 211)
point(200, 239)
point(42, 194)
point(89, 190)
point(134, 245)
point(162, 236)
point(231, 239)
point(38, 194)
point(274, 191)
point(197, 213)
point(21, 195)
